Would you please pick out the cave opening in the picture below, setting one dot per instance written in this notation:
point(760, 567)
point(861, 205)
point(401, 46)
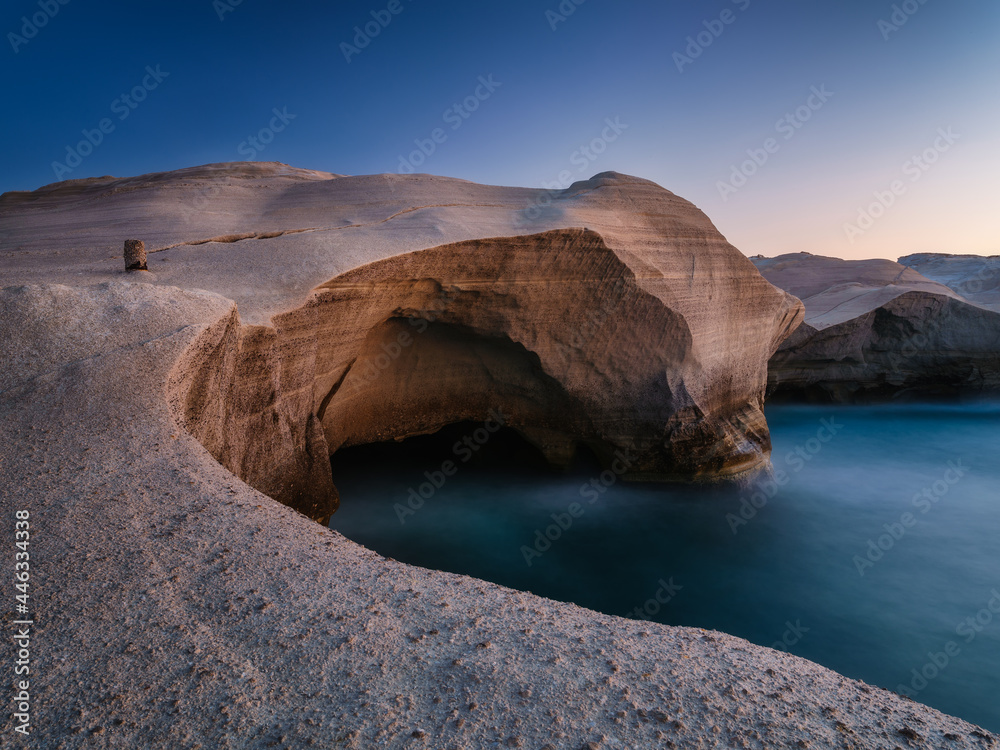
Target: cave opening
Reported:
point(498, 454)
point(429, 393)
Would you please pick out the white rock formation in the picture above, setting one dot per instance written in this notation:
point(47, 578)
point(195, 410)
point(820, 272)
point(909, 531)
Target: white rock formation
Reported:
point(877, 329)
point(176, 606)
point(975, 277)
point(611, 314)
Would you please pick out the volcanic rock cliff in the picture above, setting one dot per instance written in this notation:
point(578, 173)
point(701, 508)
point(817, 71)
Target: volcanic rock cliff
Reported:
point(877, 329)
point(974, 277)
point(176, 606)
point(611, 314)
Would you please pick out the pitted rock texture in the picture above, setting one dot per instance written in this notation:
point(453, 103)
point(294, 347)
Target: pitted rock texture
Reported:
point(182, 607)
point(135, 255)
point(178, 607)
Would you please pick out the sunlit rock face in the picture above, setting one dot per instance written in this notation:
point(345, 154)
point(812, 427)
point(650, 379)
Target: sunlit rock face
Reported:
point(611, 315)
point(552, 329)
point(878, 329)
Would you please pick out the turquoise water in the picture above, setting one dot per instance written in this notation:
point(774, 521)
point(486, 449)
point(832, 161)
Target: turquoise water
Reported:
point(874, 548)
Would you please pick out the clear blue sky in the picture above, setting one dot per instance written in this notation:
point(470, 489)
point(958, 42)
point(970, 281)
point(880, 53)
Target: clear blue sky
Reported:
point(890, 91)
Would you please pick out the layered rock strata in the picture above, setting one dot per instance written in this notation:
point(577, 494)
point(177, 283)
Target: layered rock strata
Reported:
point(611, 314)
point(176, 606)
point(877, 329)
point(974, 277)
point(182, 607)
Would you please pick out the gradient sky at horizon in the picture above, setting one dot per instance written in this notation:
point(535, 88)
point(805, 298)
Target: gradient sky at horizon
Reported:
point(231, 65)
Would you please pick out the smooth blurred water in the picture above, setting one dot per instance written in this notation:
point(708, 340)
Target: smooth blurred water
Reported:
point(789, 571)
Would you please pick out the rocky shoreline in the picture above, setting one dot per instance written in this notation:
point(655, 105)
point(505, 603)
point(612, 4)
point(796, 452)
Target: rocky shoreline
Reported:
point(178, 606)
point(877, 330)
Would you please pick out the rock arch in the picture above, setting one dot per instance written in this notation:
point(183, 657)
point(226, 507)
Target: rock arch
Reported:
point(553, 329)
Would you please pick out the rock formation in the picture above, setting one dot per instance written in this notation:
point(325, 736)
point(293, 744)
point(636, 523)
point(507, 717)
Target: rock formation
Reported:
point(612, 314)
point(975, 277)
point(178, 606)
point(135, 255)
point(877, 329)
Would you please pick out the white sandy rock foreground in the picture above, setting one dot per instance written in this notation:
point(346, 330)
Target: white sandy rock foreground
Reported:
point(176, 606)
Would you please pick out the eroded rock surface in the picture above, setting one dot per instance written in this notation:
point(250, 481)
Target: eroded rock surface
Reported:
point(182, 607)
point(556, 332)
point(611, 314)
point(877, 329)
point(975, 277)
point(176, 606)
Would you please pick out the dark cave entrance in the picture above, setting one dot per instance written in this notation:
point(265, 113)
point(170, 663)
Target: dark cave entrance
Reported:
point(466, 447)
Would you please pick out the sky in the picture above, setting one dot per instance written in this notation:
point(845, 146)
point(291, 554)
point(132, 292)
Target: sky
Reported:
point(854, 128)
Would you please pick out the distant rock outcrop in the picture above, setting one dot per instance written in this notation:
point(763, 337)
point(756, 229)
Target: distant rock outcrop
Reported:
point(975, 277)
point(877, 329)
